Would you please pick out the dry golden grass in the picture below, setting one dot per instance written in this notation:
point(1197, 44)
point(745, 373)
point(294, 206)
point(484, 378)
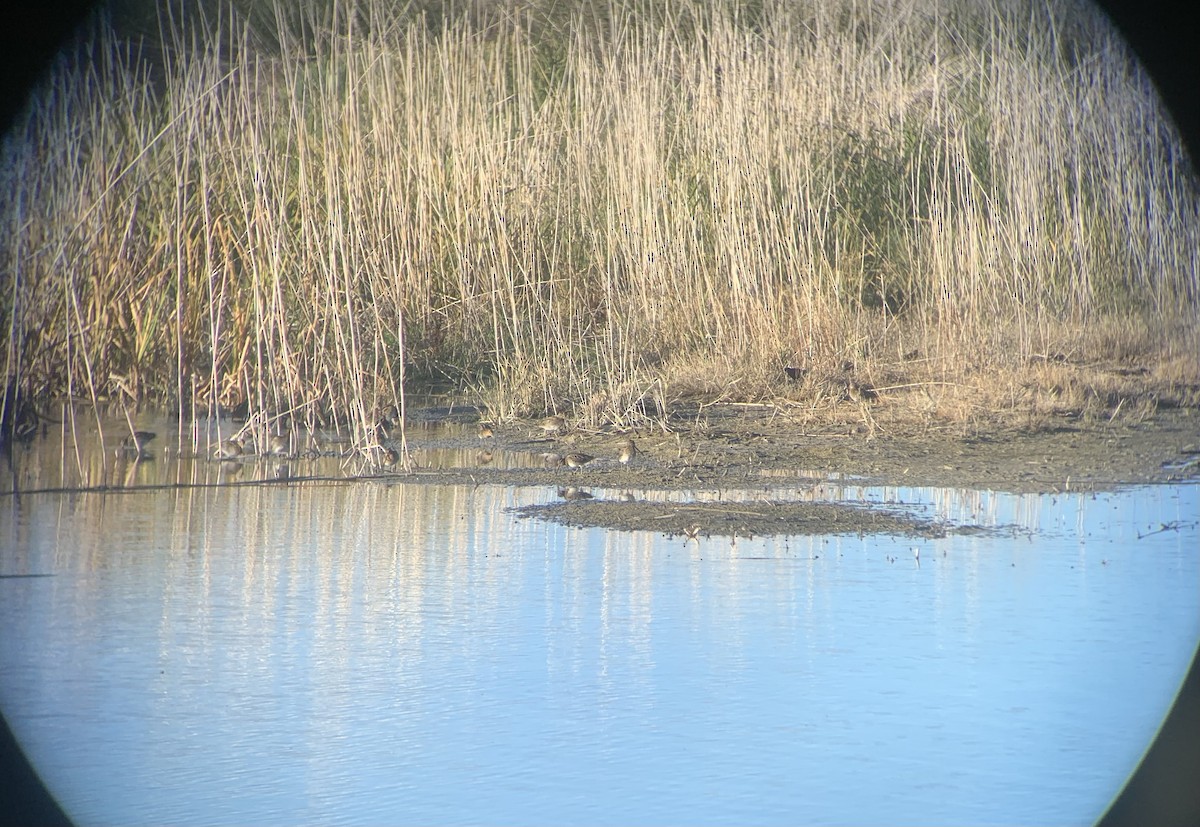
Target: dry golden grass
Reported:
point(980, 212)
point(1113, 372)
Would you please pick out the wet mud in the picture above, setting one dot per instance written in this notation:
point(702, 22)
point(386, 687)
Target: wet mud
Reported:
point(736, 450)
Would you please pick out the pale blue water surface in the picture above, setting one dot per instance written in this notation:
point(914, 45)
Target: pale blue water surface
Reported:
point(374, 653)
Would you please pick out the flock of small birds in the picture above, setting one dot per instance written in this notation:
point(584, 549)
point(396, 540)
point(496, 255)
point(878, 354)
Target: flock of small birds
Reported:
point(241, 446)
point(553, 426)
point(234, 448)
point(278, 446)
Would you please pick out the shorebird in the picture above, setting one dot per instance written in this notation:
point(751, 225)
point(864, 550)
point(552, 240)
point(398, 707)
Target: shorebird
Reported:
point(390, 457)
point(485, 431)
point(136, 442)
point(383, 420)
point(554, 425)
point(277, 446)
point(229, 449)
point(578, 460)
point(858, 392)
point(628, 451)
point(552, 460)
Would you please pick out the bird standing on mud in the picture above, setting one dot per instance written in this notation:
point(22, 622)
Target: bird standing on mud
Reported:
point(575, 460)
point(554, 425)
point(628, 451)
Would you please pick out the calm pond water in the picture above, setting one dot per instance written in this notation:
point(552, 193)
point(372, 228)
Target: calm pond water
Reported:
point(372, 653)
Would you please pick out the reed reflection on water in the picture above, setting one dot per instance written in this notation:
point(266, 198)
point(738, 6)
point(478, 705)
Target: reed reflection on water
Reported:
point(383, 652)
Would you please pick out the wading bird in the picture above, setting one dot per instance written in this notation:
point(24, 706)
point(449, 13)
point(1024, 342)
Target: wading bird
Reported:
point(277, 446)
point(554, 425)
point(578, 460)
point(628, 451)
point(136, 443)
point(229, 449)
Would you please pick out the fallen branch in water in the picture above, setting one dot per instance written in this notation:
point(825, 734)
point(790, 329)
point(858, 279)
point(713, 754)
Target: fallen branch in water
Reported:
point(1174, 525)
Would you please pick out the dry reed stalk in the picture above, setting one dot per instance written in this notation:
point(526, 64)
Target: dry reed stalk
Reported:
point(566, 208)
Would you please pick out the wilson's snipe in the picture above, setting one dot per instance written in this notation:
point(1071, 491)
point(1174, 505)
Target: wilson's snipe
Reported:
point(628, 451)
point(859, 392)
point(136, 443)
point(277, 446)
point(554, 425)
point(485, 431)
point(383, 420)
point(229, 449)
point(577, 460)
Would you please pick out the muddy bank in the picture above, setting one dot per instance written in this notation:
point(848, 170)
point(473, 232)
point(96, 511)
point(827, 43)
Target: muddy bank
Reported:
point(690, 468)
point(743, 519)
point(741, 448)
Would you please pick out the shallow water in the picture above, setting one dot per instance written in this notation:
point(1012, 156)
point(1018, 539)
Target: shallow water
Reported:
point(371, 653)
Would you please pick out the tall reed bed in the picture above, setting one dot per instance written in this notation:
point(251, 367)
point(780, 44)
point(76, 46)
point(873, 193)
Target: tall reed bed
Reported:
point(576, 211)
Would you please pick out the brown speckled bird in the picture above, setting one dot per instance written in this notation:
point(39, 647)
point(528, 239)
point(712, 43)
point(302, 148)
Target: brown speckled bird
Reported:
point(575, 460)
point(277, 446)
point(229, 449)
point(135, 444)
point(628, 451)
point(554, 425)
